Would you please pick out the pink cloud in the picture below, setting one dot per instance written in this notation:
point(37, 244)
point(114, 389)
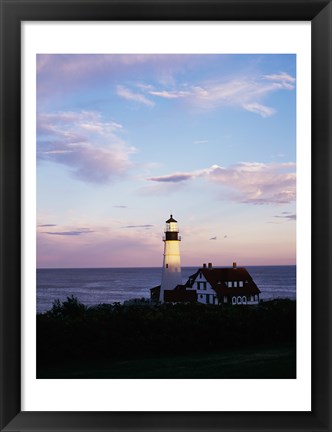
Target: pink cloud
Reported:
point(173, 178)
point(75, 232)
point(132, 96)
point(256, 183)
point(257, 108)
point(58, 72)
point(251, 183)
point(244, 92)
point(121, 248)
point(170, 94)
point(83, 141)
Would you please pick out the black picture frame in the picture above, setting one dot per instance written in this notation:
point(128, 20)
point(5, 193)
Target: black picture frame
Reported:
point(13, 12)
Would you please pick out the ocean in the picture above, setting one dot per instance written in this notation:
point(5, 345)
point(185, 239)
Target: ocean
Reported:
point(108, 285)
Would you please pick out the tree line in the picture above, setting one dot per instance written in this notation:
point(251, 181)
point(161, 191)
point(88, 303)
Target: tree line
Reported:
point(72, 331)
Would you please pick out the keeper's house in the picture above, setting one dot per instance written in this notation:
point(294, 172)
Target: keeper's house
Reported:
point(209, 285)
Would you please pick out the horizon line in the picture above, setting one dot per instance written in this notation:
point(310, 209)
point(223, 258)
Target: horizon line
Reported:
point(160, 267)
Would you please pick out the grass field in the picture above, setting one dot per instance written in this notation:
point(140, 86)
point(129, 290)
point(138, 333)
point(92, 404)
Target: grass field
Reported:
point(254, 362)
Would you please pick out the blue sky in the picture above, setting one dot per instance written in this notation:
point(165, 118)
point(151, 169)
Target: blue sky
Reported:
point(125, 140)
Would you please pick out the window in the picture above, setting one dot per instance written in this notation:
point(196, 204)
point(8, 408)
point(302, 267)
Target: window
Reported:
point(235, 284)
point(229, 284)
point(239, 301)
point(244, 300)
point(233, 300)
point(241, 284)
point(204, 285)
point(166, 265)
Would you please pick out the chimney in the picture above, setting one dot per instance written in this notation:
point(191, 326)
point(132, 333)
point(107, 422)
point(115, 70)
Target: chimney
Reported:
point(210, 265)
point(234, 265)
point(204, 265)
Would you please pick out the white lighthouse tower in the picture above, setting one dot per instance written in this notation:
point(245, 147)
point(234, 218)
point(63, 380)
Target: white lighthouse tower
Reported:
point(171, 276)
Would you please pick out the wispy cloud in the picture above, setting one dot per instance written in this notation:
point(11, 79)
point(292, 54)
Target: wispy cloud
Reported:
point(252, 183)
point(200, 142)
point(173, 178)
point(74, 65)
point(132, 96)
point(286, 215)
point(170, 94)
point(285, 80)
point(77, 232)
point(86, 143)
point(257, 108)
point(124, 247)
point(245, 92)
point(147, 226)
point(58, 74)
point(46, 225)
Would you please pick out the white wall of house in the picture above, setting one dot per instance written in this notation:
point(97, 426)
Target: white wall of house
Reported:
point(244, 300)
point(239, 300)
point(205, 293)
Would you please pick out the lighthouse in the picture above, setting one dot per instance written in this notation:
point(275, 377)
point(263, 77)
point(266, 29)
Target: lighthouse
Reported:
point(171, 275)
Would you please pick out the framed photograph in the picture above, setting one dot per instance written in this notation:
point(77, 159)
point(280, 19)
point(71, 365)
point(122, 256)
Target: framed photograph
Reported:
point(165, 255)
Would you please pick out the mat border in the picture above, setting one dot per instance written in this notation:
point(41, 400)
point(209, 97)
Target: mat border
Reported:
point(13, 12)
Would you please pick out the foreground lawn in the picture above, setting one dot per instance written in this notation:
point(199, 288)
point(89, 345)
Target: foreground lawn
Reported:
point(253, 362)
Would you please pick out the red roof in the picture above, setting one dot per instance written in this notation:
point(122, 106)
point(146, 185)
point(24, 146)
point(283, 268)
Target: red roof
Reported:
point(217, 278)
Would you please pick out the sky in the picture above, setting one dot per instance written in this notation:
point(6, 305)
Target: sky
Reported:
point(123, 141)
